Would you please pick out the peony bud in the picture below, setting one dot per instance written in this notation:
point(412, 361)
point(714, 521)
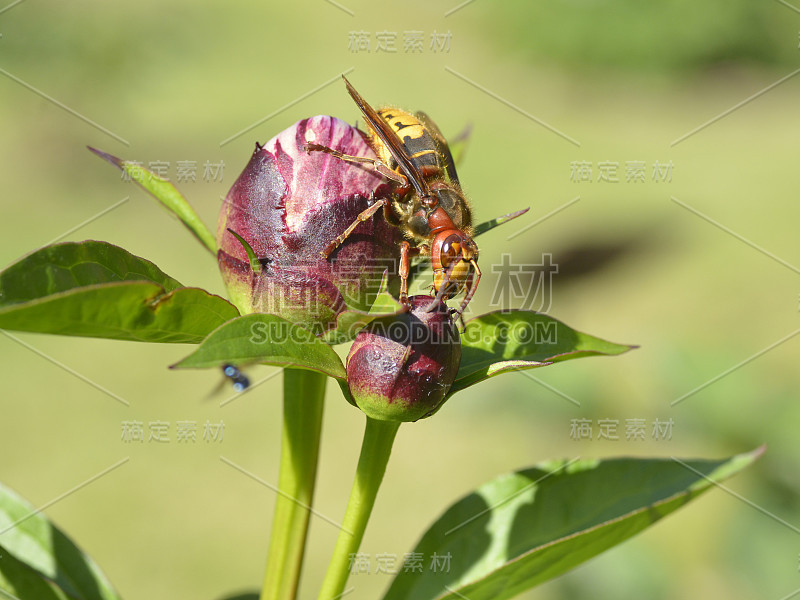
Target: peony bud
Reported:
point(288, 205)
point(401, 367)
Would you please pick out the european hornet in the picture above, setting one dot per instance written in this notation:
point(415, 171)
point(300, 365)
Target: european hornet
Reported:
point(427, 204)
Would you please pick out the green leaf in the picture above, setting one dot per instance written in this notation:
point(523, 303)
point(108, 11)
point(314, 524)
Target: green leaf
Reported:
point(69, 265)
point(96, 289)
point(503, 341)
point(37, 561)
point(245, 596)
point(251, 254)
point(23, 582)
point(167, 194)
point(268, 339)
point(489, 225)
point(525, 528)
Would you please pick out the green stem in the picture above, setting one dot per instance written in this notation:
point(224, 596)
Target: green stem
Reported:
point(375, 451)
point(303, 401)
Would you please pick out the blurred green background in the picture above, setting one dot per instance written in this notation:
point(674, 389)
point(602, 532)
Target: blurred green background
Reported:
point(625, 79)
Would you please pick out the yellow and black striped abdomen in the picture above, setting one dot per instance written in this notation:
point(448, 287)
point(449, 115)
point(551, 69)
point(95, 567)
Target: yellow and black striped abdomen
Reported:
point(414, 137)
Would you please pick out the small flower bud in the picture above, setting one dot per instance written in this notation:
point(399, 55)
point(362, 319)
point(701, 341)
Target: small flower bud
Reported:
point(401, 367)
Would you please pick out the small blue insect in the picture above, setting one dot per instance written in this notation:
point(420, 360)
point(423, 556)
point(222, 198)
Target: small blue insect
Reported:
point(239, 379)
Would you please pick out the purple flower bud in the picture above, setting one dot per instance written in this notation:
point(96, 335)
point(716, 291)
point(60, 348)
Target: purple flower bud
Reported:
point(401, 367)
point(289, 205)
